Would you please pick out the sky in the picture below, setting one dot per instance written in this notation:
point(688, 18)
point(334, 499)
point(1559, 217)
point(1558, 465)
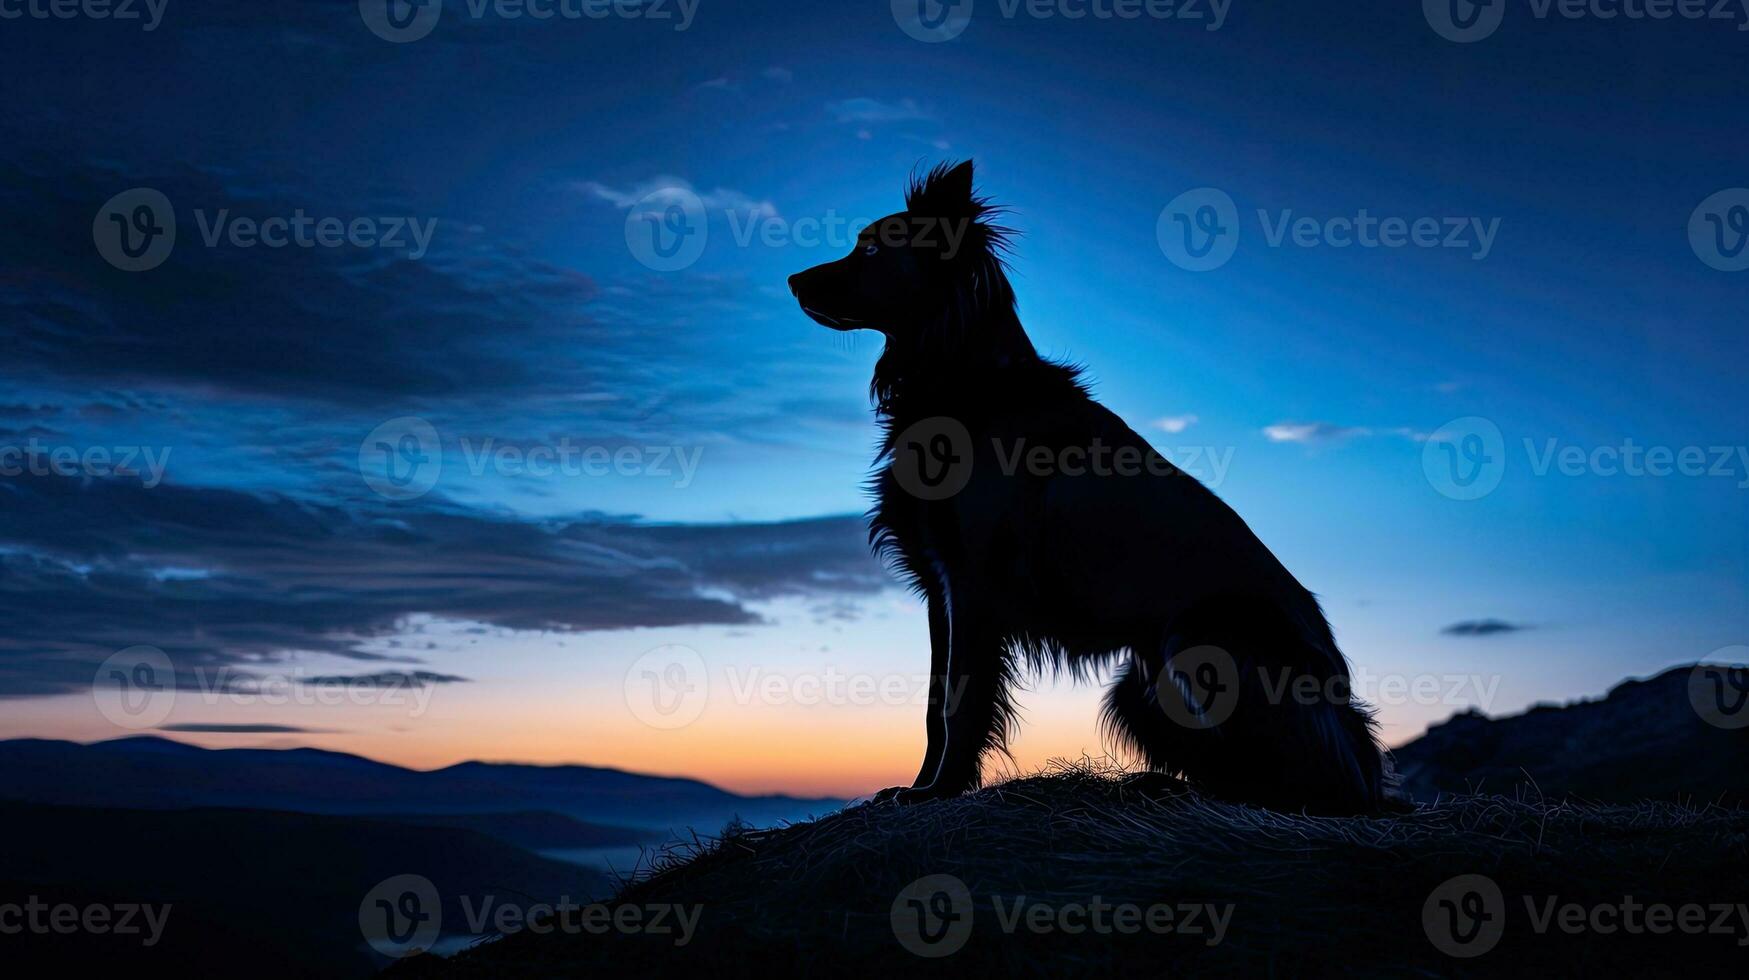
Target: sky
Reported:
point(479, 465)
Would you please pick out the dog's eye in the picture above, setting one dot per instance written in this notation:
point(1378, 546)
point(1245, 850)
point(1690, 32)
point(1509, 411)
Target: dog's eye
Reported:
point(870, 249)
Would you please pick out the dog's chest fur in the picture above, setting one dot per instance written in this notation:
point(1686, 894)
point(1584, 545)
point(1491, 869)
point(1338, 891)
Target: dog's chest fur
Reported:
point(983, 536)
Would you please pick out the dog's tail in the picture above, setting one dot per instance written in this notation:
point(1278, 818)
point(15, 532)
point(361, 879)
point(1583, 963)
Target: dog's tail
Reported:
point(1279, 725)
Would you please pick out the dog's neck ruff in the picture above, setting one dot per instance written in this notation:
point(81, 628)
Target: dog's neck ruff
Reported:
point(968, 388)
point(951, 361)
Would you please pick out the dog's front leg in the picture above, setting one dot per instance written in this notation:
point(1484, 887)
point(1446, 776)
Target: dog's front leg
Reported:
point(935, 715)
point(935, 718)
point(974, 703)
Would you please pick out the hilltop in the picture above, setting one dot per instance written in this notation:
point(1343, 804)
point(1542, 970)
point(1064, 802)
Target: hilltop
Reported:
point(1249, 891)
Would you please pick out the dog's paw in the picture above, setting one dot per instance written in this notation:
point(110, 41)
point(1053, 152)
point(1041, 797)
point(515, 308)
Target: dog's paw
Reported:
point(921, 794)
point(907, 795)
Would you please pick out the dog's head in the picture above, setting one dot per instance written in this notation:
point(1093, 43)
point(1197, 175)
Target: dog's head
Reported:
point(913, 272)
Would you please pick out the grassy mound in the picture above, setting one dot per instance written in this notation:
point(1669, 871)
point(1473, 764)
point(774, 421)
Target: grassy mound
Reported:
point(1043, 859)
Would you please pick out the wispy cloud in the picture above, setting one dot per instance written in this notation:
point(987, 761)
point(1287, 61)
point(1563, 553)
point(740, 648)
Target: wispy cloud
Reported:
point(290, 577)
point(343, 326)
point(1483, 627)
point(1317, 433)
point(665, 189)
point(1175, 423)
point(199, 728)
point(1312, 433)
point(732, 82)
point(869, 111)
point(387, 679)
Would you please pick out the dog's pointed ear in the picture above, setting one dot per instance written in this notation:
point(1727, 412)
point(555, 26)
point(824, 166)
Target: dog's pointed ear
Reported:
point(956, 185)
point(943, 192)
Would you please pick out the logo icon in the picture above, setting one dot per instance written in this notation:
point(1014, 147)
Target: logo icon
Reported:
point(1464, 21)
point(1465, 916)
point(1718, 230)
point(1465, 458)
point(667, 229)
point(667, 687)
point(1719, 689)
point(135, 688)
point(402, 458)
point(135, 230)
point(932, 916)
point(932, 21)
point(1200, 688)
point(932, 459)
point(401, 916)
point(1199, 229)
point(400, 21)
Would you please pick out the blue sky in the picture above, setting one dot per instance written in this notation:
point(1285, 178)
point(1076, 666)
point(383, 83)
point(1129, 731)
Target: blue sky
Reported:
point(1586, 144)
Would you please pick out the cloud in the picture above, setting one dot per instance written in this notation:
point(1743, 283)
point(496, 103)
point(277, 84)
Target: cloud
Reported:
point(270, 364)
point(864, 110)
point(1411, 434)
point(281, 577)
point(1483, 627)
point(198, 728)
point(29, 411)
point(664, 190)
point(1315, 433)
point(387, 679)
point(732, 83)
point(353, 326)
point(934, 141)
point(1175, 423)
point(1311, 433)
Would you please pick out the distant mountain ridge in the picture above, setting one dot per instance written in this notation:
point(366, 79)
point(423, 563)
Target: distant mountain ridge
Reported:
point(148, 772)
point(1644, 740)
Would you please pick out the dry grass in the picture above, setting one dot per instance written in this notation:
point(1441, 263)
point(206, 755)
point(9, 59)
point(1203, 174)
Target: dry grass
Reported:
point(1310, 895)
